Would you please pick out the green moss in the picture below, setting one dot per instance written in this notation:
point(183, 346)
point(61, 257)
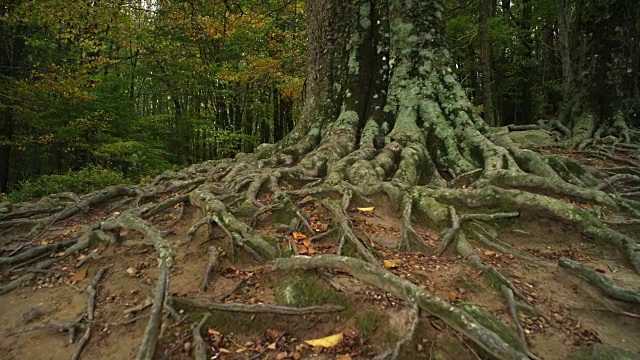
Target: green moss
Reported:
point(603, 352)
point(368, 322)
point(302, 289)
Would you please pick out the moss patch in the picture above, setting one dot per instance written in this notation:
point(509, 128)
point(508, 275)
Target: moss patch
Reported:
point(302, 289)
point(368, 322)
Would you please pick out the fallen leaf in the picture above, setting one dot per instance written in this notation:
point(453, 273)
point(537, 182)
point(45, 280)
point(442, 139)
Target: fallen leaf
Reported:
point(79, 276)
point(311, 251)
point(302, 249)
point(307, 242)
point(224, 351)
point(307, 198)
point(390, 264)
point(272, 346)
point(213, 332)
point(299, 235)
point(452, 296)
point(116, 213)
point(601, 271)
point(366, 209)
point(59, 254)
point(327, 342)
point(489, 253)
point(343, 357)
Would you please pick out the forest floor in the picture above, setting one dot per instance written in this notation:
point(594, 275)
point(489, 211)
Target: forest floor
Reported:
point(365, 319)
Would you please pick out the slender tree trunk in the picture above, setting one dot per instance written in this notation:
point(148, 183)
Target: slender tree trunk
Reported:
point(485, 61)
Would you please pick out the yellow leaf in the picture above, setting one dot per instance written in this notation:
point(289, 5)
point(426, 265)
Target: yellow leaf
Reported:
point(366, 209)
point(213, 332)
point(308, 198)
point(343, 357)
point(327, 342)
point(272, 346)
point(299, 235)
point(391, 264)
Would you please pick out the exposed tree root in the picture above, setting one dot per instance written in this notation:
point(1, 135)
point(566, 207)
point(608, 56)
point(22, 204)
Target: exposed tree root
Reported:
point(236, 229)
point(346, 231)
point(131, 221)
point(84, 241)
point(602, 282)
point(255, 308)
point(513, 311)
point(213, 260)
point(92, 290)
point(459, 319)
point(199, 346)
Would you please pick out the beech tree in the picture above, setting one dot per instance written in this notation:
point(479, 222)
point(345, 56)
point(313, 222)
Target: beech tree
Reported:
point(384, 114)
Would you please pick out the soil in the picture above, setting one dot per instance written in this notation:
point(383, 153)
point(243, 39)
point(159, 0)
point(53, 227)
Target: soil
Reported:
point(372, 321)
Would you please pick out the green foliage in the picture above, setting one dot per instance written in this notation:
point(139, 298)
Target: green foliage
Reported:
point(133, 158)
point(83, 181)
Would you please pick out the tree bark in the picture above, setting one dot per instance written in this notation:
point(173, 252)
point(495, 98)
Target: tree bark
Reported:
point(485, 61)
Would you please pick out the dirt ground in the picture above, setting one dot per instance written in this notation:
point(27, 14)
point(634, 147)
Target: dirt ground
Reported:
point(576, 314)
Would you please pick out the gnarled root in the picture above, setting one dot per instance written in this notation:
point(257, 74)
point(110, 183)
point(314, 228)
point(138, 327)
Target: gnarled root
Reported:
point(602, 282)
point(131, 221)
point(91, 305)
point(459, 319)
point(236, 229)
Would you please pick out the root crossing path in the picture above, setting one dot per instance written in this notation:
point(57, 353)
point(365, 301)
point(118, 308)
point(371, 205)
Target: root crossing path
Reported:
point(240, 259)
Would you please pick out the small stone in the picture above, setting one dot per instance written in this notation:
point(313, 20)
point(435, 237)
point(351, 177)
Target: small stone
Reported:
point(187, 346)
point(131, 271)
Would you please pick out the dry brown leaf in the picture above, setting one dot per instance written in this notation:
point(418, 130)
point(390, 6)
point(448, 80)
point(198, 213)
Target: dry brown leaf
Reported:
point(452, 296)
point(307, 242)
point(272, 346)
point(366, 209)
point(343, 357)
point(311, 251)
point(326, 342)
point(307, 198)
point(79, 276)
point(213, 332)
point(299, 235)
point(489, 253)
point(224, 351)
point(302, 249)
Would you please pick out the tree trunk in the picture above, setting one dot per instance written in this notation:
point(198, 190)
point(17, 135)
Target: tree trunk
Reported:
point(597, 73)
point(485, 61)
